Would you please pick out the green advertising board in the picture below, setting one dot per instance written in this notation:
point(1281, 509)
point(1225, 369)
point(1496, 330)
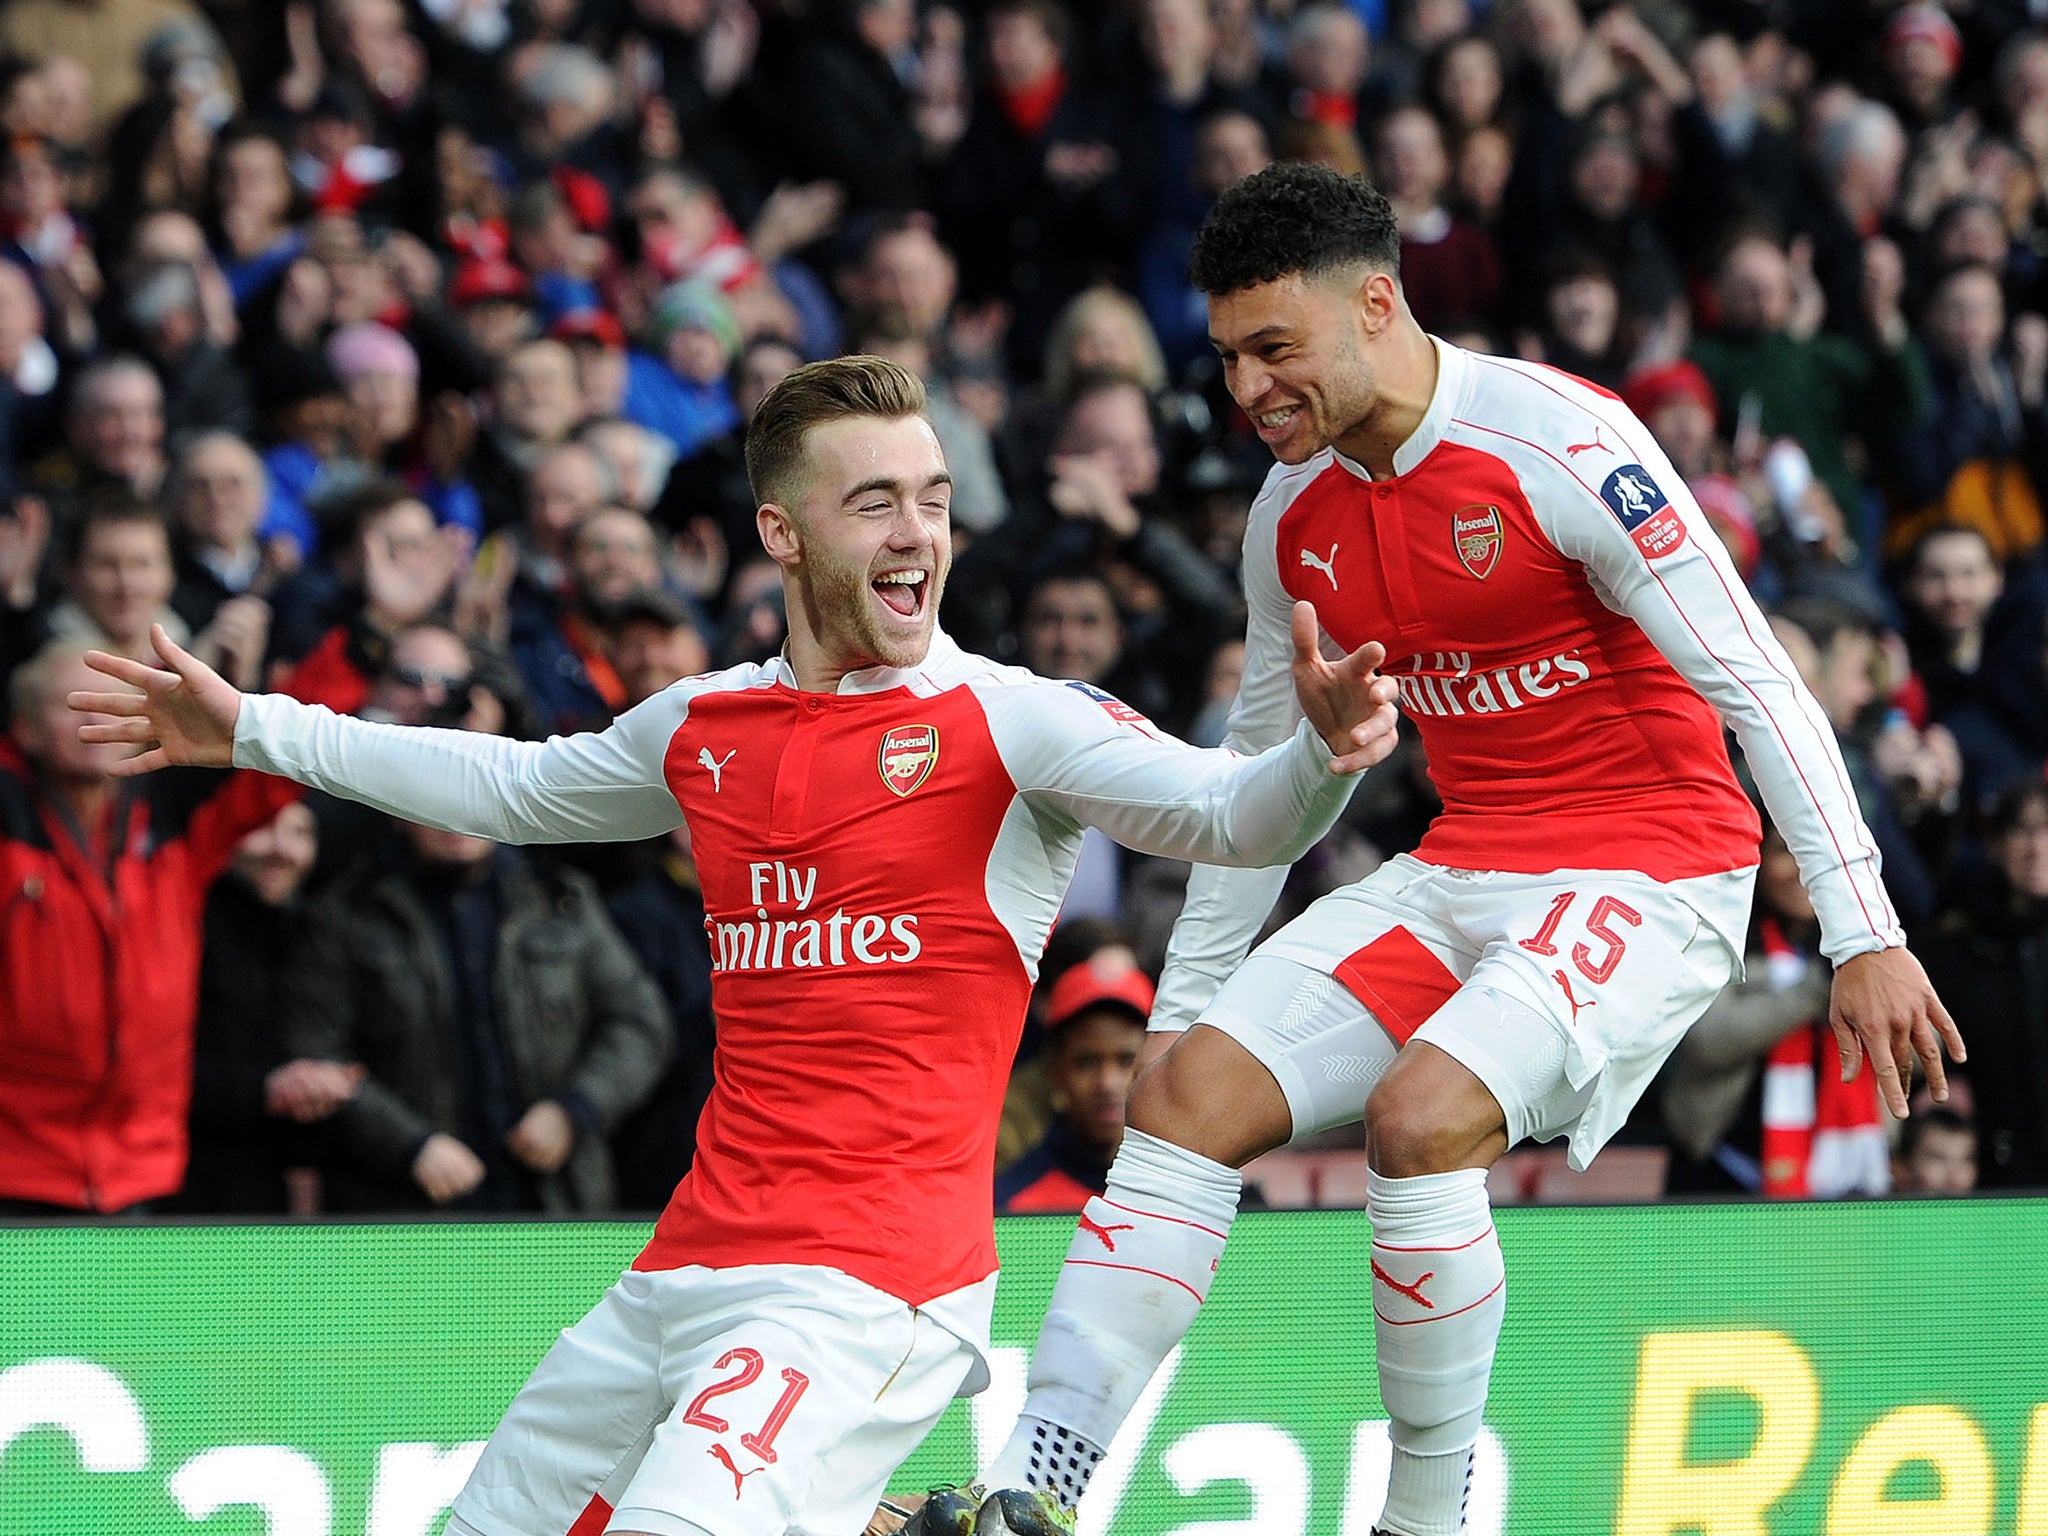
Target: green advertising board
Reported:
point(1789, 1370)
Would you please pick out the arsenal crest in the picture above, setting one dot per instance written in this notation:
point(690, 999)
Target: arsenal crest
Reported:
point(908, 755)
point(1477, 533)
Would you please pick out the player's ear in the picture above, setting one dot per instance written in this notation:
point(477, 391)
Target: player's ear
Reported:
point(1379, 300)
point(779, 533)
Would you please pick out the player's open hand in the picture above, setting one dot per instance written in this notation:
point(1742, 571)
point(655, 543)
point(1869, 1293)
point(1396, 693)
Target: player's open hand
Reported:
point(1885, 1007)
point(183, 717)
point(1347, 701)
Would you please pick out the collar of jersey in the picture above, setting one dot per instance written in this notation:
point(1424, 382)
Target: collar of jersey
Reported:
point(938, 671)
point(1453, 369)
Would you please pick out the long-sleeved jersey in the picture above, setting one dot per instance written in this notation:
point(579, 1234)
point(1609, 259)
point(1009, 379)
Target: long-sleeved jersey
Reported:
point(1564, 625)
point(881, 867)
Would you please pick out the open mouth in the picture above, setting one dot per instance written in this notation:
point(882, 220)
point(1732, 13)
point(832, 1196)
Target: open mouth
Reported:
point(903, 592)
point(1273, 424)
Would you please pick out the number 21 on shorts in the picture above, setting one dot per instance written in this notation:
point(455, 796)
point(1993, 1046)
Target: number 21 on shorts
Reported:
point(1595, 966)
point(760, 1441)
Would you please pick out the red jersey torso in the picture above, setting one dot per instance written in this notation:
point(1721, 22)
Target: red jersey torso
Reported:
point(869, 999)
point(1556, 733)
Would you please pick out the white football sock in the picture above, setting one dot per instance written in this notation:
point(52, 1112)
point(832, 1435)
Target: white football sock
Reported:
point(1135, 1275)
point(1438, 1294)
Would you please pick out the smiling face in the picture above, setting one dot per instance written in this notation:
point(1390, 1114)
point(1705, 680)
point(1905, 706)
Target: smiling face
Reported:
point(1294, 358)
point(866, 543)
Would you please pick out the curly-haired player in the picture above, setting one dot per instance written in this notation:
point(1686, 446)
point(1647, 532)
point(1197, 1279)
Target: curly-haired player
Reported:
point(1564, 627)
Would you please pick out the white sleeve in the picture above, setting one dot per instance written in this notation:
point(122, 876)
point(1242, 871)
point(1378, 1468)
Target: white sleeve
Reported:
point(1226, 908)
point(1093, 760)
point(1692, 604)
point(595, 787)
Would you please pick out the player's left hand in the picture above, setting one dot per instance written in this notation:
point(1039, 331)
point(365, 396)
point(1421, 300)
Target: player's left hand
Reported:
point(543, 1138)
point(181, 714)
point(1347, 701)
point(1884, 1007)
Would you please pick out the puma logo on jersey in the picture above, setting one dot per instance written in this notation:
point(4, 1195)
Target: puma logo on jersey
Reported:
point(1444, 683)
point(715, 764)
point(1573, 450)
point(1324, 563)
point(739, 1479)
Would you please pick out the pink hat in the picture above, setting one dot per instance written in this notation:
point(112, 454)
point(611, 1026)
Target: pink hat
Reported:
point(367, 347)
point(1928, 23)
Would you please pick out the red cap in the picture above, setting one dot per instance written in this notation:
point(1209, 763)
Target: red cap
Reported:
point(487, 277)
point(1102, 979)
point(1647, 392)
point(597, 325)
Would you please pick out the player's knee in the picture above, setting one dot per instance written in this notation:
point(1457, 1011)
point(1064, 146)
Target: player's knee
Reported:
point(1408, 1135)
point(1211, 1096)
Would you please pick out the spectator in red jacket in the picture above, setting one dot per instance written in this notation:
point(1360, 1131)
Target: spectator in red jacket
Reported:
point(103, 887)
point(1096, 1019)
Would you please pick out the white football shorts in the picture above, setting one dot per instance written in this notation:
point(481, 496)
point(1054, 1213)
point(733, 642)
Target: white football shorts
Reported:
point(752, 1401)
point(1617, 965)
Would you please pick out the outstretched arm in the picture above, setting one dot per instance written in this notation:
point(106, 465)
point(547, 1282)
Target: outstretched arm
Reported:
point(587, 788)
point(1103, 766)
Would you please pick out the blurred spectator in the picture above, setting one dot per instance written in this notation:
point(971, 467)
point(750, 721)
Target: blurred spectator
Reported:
point(1836, 652)
point(539, 404)
point(100, 948)
point(107, 37)
point(1230, 144)
point(503, 1028)
point(245, 1095)
point(678, 387)
point(844, 75)
point(1766, 364)
point(1937, 1153)
point(1040, 188)
point(114, 433)
point(1095, 1023)
point(563, 646)
point(1980, 454)
point(1450, 268)
point(254, 200)
point(1991, 963)
point(218, 491)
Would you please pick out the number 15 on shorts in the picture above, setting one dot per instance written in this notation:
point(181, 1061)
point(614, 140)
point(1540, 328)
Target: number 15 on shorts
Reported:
point(1605, 918)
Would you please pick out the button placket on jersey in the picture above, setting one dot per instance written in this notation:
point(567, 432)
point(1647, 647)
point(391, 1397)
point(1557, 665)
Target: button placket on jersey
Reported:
point(810, 719)
point(1391, 566)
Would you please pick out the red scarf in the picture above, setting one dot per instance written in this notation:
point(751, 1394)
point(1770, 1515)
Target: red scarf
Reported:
point(1031, 108)
point(1823, 1138)
point(1322, 107)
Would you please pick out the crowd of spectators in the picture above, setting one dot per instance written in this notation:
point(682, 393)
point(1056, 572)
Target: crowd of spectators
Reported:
point(398, 353)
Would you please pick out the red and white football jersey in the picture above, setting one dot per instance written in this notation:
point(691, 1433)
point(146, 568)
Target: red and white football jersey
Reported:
point(1564, 625)
point(881, 867)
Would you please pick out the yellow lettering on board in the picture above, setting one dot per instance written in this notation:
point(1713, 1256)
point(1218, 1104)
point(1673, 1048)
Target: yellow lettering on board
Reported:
point(2031, 1518)
point(1661, 1491)
point(1945, 1437)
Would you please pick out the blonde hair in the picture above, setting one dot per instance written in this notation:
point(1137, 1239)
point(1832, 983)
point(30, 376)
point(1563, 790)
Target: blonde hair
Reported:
point(778, 436)
point(1061, 371)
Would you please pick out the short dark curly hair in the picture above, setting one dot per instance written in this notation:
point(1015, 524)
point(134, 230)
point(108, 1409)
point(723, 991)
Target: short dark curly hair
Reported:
point(1293, 218)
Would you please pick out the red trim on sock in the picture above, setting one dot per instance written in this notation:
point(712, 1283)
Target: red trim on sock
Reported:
point(1460, 1248)
point(1138, 1269)
point(1155, 1216)
point(1397, 1322)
